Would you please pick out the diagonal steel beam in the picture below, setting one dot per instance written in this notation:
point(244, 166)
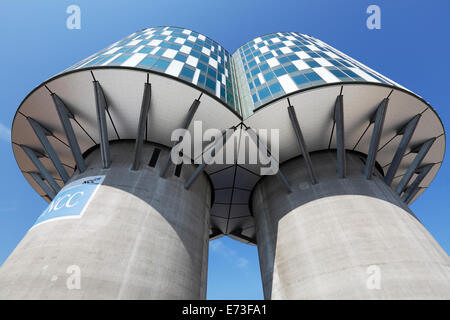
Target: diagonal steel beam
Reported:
point(260, 145)
point(413, 194)
point(414, 187)
point(145, 107)
point(42, 134)
point(421, 153)
point(37, 177)
point(407, 132)
point(208, 155)
point(302, 144)
point(340, 142)
point(33, 156)
point(64, 116)
point(187, 121)
point(100, 103)
point(378, 121)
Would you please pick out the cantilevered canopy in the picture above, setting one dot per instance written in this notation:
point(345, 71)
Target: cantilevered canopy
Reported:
point(123, 89)
point(315, 110)
point(308, 120)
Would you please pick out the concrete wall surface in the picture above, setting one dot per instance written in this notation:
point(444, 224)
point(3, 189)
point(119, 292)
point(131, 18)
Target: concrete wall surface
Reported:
point(346, 238)
point(140, 237)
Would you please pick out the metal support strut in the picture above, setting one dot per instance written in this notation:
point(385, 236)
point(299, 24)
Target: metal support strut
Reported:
point(101, 107)
point(209, 154)
point(145, 107)
point(254, 136)
point(421, 153)
point(414, 187)
point(187, 121)
point(42, 134)
point(302, 144)
point(407, 132)
point(340, 142)
point(378, 121)
point(64, 116)
point(33, 156)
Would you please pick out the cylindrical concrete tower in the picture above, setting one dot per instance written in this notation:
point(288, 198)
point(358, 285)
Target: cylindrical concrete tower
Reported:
point(349, 238)
point(355, 149)
point(341, 151)
point(140, 237)
point(95, 141)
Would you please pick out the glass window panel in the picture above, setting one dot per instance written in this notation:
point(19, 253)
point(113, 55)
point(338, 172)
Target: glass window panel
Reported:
point(255, 71)
point(202, 67)
point(300, 79)
point(180, 57)
point(212, 73)
point(312, 76)
point(312, 63)
point(290, 68)
point(350, 73)
point(264, 93)
point(148, 61)
point(194, 53)
point(280, 72)
point(210, 84)
point(283, 59)
point(201, 80)
point(338, 73)
point(188, 73)
point(274, 88)
point(264, 66)
point(269, 76)
point(161, 64)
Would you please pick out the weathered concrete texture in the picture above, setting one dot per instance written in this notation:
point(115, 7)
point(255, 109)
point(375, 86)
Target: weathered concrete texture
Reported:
point(321, 241)
point(141, 237)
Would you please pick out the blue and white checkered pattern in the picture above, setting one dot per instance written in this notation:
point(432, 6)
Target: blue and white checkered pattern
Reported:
point(284, 62)
point(181, 53)
point(258, 72)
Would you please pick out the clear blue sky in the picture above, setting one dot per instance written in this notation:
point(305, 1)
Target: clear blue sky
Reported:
point(411, 48)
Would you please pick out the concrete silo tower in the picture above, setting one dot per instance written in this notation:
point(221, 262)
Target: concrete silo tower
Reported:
point(354, 149)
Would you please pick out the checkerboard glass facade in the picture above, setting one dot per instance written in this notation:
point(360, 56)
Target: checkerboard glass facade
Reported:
point(277, 64)
point(178, 52)
point(263, 69)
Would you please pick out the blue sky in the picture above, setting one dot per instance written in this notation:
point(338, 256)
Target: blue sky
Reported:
point(411, 48)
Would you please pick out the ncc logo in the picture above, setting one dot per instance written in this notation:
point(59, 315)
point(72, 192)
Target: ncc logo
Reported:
point(65, 201)
point(71, 200)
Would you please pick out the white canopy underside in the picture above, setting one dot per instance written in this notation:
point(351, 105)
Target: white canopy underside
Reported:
point(170, 101)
